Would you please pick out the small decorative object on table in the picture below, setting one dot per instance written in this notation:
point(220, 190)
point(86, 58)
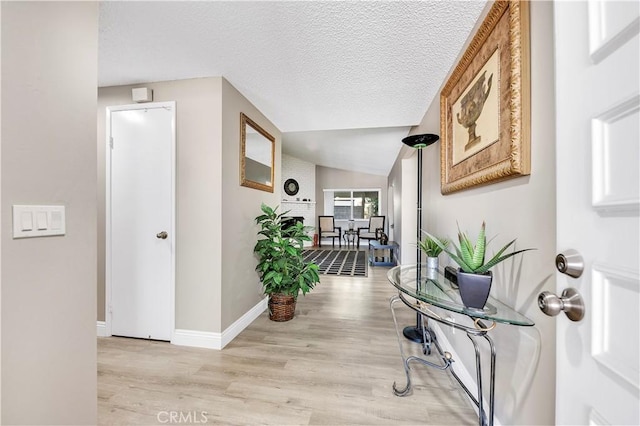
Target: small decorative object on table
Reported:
point(281, 266)
point(432, 250)
point(474, 278)
point(384, 239)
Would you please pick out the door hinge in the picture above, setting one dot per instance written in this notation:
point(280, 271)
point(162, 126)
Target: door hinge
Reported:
point(111, 142)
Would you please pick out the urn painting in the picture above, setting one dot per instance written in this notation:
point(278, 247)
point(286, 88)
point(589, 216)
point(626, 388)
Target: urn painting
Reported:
point(485, 105)
point(471, 107)
point(476, 113)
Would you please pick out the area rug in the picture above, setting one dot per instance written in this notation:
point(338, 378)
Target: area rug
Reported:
point(351, 263)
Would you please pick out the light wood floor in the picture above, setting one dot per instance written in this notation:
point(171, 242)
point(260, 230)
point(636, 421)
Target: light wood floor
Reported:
point(333, 364)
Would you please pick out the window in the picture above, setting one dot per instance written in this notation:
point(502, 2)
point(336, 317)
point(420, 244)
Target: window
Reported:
point(353, 204)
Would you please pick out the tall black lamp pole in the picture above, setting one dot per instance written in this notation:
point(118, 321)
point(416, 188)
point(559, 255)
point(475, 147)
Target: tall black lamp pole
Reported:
point(415, 333)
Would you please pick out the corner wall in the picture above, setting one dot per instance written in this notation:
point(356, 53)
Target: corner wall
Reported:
point(198, 196)
point(241, 288)
point(524, 208)
point(49, 80)
point(216, 283)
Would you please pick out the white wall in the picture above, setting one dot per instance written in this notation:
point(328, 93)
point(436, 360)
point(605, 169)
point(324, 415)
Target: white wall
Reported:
point(330, 178)
point(409, 211)
point(304, 173)
point(524, 208)
point(198, 195)
point(49, 80)
point(215, 227)
point(241, 288)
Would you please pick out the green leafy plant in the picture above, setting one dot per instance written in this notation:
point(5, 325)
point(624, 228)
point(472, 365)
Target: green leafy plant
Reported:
point(431, 248)
point(470, 257)
point(281, 266)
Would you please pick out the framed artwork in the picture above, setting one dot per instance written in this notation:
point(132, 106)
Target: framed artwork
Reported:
point(485, 104)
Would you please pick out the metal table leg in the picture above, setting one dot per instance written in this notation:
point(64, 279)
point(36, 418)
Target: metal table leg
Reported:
point(480, 331)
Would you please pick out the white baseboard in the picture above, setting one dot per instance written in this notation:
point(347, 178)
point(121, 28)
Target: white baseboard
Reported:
point(197, 339)
point(211, 340)
point(462, 372)
point(101, 329)
point(243, 322)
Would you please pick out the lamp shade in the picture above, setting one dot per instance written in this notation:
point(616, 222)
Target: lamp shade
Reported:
point(420, 141)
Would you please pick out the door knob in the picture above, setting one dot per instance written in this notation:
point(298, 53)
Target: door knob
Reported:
point(570, 303)
point(162, 235)
point(570, 262)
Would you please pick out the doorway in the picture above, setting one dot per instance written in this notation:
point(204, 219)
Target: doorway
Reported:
point(140, 221)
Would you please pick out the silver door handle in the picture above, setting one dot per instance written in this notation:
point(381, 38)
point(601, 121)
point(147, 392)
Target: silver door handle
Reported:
point(162, 235)
point(570, 262)
point(570, 303)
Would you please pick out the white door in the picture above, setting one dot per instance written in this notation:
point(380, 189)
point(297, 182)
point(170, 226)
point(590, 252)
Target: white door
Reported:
point(408, 210)
point(140, 220)
point(597, 120)
point(390, 212)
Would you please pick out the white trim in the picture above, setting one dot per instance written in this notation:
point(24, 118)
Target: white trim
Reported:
point(329, 202)
point(243, 322)
point(101, 329)
point(211, 340)
point(352, 189)
point(464, 374)
point(167, 105)
point(197, 339)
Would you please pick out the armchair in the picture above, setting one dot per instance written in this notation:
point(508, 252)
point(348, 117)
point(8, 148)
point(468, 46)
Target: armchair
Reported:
point(329, 230)
point(370, 233)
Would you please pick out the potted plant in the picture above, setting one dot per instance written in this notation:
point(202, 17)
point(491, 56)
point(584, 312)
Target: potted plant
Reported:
point(432, 249)
point(281, 266)
point(474, 276)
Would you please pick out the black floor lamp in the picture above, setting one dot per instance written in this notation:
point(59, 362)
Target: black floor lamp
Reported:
point(414, 333)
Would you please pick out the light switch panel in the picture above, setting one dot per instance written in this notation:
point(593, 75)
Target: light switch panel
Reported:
point(41, 220)
point(56, 220)
point(26, 221)
point(38, 221)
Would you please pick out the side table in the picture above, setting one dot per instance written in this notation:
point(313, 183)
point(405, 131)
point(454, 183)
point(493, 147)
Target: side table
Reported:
point(421, 288)
point(349, 237)
point(389, 260)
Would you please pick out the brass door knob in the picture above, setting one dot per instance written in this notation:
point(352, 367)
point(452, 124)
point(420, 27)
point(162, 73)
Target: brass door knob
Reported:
point(162, 235)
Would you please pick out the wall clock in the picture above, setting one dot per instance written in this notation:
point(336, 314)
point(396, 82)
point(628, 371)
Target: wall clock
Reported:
point(291, 187)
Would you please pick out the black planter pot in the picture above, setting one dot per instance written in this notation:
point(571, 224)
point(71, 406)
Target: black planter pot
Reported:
point(474, 288)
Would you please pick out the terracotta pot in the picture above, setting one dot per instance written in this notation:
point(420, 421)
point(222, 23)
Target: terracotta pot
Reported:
point(282, 307)
point(474, 288)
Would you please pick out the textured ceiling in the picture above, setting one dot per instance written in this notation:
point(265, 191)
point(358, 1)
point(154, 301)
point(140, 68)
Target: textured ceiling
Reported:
point(314, 67)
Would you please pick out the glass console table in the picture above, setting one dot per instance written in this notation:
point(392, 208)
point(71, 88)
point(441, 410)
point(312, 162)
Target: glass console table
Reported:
point(421, 288)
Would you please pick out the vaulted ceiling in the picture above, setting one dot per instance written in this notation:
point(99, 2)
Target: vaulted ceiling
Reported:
point(343, 80)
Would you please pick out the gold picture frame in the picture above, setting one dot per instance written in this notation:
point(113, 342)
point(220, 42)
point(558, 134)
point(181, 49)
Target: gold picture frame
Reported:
point(485, 104)
point(257, 155)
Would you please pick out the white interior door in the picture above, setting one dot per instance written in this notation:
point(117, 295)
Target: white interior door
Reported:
point(390, 212)
point(597, 107)
point(408, 210)
point(140, 260)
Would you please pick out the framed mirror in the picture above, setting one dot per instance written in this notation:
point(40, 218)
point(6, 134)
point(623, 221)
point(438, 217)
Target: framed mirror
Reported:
point(257, 151)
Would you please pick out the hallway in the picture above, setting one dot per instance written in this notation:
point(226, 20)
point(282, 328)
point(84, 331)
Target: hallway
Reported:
point(334, 363)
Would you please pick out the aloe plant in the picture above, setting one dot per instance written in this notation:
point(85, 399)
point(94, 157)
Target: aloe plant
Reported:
point(431, 248)
point(471, 258)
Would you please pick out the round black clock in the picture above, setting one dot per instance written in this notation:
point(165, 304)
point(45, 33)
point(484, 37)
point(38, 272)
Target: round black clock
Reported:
point(291, 187)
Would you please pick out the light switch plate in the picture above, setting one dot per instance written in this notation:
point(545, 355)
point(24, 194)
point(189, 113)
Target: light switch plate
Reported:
point(38, 221)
